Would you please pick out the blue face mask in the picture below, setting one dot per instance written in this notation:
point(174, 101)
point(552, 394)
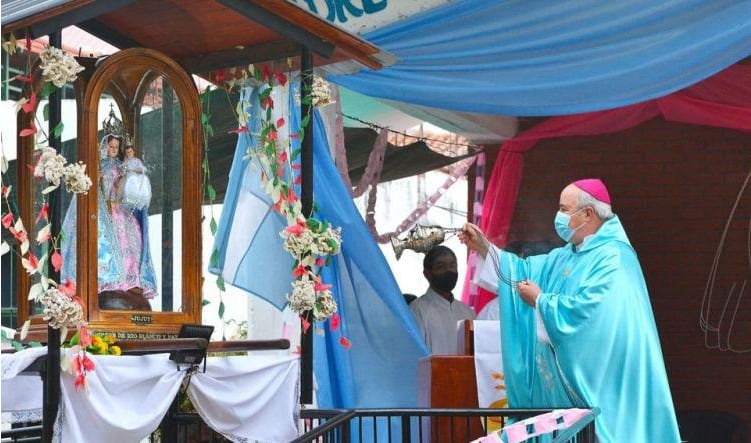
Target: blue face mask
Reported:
point(561, 225)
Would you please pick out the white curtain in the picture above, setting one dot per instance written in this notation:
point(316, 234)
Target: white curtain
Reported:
point(244, 398)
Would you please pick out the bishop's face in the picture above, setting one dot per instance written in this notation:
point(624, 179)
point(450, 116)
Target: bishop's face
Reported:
point(579, 218)
point(113, 147)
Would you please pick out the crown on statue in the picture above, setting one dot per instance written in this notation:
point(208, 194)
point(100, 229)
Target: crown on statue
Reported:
point(112, 124)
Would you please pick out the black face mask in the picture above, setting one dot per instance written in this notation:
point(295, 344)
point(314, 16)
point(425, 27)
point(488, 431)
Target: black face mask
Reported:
point(445, 281)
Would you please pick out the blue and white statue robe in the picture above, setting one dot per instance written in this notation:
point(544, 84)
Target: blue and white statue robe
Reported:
point(593, 340)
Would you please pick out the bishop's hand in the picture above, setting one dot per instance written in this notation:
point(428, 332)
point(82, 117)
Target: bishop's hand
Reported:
point(529, 291)
point(475, 240)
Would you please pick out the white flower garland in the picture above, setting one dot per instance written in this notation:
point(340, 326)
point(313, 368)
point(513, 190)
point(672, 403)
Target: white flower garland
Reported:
point(58, 67)
point(76, 180)
point(53, 167)
point(61, 310)
point(321, 93)
point(311, 242)
point(50, 165)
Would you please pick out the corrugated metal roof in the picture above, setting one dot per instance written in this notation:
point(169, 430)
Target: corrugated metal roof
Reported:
point(13, 10)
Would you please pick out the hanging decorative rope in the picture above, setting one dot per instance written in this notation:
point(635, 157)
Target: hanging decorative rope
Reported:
point(340, 151)
point(457, 172)
point(411, 138)
point(373, 169)
point(479, 195)
point(372, 174)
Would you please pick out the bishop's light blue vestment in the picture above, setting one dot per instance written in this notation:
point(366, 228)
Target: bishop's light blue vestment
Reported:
point(601, 348)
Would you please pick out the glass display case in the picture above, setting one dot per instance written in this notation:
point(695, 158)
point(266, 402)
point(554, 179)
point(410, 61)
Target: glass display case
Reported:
point(133, 243)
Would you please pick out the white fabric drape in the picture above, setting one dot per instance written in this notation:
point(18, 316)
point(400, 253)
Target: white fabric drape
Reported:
point(248, 398)
point(244, 398)
point(127, 398)
point(22, 393)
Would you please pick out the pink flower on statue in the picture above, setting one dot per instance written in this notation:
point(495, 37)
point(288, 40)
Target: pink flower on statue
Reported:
point(68, 288)
point(282, 158)
point(44, 234)
point(299, 271)
point(278, 206)
point(305, 324)
point(31, 105)
point(219, 77)
point(57, 261)
point(296, 229)
point(84, 338)
point(272, 136)
point(320, 286)
point(280, 122)
point(88, 364)
point(24, 78)
point(320, 262)
point(281, 78)
point(267, 102)
point(80, 383)
point(240, 130)
point(7, 220)
point(20, 234)
point(344, 341)
point(31, 130)
point(30, 263)
point(82, 363)
point(334, 321)
point(291, 196)
point(44, 213)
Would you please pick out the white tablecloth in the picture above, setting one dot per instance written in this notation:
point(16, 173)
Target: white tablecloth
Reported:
point(242, 397)
point(21, 399)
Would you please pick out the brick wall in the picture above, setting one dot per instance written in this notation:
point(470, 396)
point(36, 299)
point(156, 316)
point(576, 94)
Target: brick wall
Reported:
point(673, 187)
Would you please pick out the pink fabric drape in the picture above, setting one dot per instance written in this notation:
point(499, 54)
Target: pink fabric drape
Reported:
point(723, 100)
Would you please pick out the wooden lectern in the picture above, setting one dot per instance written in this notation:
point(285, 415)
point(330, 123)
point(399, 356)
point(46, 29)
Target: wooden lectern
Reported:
point(449, 381)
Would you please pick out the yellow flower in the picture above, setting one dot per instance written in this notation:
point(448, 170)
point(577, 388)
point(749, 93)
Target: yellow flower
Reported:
point(98, 345)
point(115, 350)
point(109, 339)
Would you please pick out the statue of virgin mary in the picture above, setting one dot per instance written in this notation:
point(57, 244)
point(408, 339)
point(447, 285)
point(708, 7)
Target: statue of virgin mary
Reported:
point(123, 255)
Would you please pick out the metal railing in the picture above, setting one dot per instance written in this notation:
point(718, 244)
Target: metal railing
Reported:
point(425, 425)
point(23, 433)
point(366, 425)
point(582, 431)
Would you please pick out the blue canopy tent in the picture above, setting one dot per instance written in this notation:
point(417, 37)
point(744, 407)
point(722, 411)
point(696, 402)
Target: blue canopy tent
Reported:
point(521, 58)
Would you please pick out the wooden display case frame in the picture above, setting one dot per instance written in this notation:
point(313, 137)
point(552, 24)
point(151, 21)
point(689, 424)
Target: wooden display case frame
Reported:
point(133, 68)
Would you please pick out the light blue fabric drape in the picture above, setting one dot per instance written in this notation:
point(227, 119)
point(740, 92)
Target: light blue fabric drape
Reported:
point(247, 246)
point(380, 368)
point(516, 57)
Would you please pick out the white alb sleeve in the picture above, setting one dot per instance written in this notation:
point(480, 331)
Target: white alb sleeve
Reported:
point(487, 277)
point(542, 334)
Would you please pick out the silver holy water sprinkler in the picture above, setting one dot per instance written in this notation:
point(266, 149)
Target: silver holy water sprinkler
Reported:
point(421, 238)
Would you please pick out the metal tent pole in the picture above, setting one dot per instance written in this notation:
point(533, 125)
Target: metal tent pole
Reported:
point(51, 376)
point(306, 198)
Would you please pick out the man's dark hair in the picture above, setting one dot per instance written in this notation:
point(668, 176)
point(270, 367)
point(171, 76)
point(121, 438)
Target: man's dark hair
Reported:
point(433, 255)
